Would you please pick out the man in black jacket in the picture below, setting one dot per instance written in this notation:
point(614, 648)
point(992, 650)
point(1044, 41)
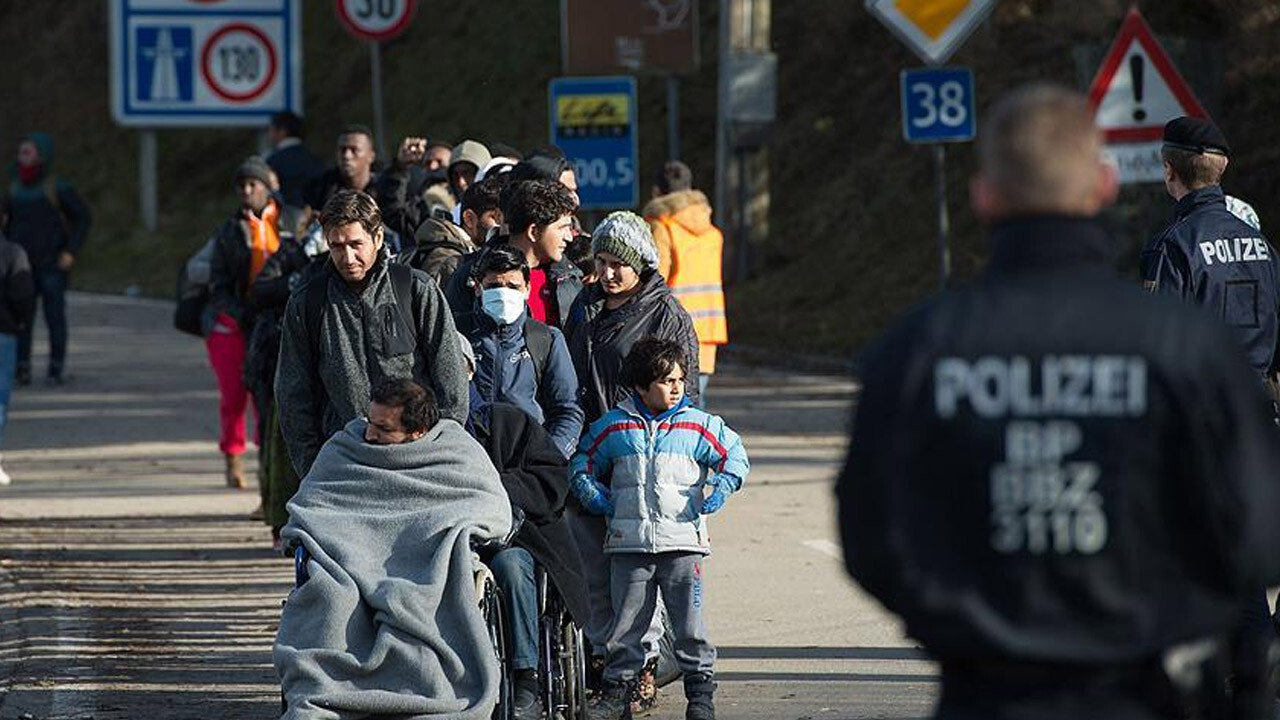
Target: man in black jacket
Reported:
point(292, 162)
point(1066, 487)
point(46, 216)
point(17, 302)
point(1207, 256)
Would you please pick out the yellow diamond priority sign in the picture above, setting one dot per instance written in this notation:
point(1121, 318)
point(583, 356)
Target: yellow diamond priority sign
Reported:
point(934, 29)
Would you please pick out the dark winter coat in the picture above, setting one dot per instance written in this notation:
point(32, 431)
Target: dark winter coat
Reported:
point(43, 228)
point(403, 208)
point(600, 339)
point(322, 187)
point(1210, 258)
point(17, 288)
point(563, 275)
point(229, 268)
point(295, 166)
point(268, 296)
point(534, 474)
point(1053, 469)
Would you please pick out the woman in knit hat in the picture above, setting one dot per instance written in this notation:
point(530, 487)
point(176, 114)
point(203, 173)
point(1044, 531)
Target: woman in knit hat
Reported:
point(631, 301)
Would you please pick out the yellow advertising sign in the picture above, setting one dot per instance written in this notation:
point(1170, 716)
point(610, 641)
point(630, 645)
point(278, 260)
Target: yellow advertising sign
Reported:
point(588, 111)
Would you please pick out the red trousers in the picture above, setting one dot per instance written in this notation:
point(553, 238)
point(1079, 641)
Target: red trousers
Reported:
point(226, 347)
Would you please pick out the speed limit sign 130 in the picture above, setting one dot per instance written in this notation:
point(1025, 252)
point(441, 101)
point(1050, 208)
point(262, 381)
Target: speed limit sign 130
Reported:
point(938, 106)
point(184, 63)
point(376, 20)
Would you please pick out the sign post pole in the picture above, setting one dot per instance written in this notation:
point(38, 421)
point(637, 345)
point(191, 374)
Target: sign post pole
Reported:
point(944, 222)
point(938, 108)
point(375, 23)
point(147, 157)
point(375, 65)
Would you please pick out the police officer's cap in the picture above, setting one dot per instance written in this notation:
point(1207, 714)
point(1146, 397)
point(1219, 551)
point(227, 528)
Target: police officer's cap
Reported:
point(1196, 135)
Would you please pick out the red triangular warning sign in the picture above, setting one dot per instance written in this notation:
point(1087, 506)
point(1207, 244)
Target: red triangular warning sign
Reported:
point(1137, 90)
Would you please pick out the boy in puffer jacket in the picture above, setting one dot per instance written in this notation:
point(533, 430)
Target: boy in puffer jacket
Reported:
point(648, 466)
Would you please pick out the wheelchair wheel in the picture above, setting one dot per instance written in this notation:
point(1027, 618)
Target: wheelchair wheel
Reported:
point(492, 606)
point(574, 656)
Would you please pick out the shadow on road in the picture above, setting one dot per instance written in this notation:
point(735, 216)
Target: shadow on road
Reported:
point(138, 617)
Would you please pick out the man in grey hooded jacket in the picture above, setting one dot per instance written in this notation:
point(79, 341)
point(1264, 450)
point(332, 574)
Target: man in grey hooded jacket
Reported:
point(358, 320)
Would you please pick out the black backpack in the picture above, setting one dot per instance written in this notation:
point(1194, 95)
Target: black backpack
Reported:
point(537, 338)
point(317, 295)
point(193, 290)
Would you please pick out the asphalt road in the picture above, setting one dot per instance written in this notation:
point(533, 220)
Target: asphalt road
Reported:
point(133, 586)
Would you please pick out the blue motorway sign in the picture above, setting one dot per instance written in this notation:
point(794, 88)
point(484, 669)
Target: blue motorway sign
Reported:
point(197, 63)
point(937, 105)
point(594, 121)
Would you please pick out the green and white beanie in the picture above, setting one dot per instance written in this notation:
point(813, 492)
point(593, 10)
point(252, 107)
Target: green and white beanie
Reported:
point(626, 236)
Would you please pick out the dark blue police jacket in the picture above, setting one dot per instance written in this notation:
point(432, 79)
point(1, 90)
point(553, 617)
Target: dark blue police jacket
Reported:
point(1211, 258)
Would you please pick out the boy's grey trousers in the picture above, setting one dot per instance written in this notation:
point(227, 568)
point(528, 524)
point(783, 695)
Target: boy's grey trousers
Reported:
point(636, 579)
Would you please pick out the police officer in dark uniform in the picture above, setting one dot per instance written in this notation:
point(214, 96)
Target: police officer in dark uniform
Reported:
point(1208, 256)
point(1211, 258)
point(1065, 486)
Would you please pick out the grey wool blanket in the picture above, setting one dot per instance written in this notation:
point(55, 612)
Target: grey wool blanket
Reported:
point(389, 623)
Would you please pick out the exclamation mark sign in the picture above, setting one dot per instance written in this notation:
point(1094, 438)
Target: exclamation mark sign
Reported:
point(1136, 66)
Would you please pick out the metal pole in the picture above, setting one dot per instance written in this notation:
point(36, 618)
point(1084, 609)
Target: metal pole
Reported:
point(147, 178)
point(673, 117)
point(744, 224)
point(375, 65)
point(944, 223)
point(722, 112)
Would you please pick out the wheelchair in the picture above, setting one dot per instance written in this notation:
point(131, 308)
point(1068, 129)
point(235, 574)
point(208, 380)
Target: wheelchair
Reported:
point(562, 655)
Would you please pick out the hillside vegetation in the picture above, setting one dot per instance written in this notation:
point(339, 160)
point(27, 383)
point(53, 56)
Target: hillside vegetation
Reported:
point(852, 205)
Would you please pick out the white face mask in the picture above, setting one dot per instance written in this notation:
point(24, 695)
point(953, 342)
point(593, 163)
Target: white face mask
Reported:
point(502, 304)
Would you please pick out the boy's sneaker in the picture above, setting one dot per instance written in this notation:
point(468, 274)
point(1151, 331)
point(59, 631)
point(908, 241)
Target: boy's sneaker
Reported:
point(613, 703)
point(4, 477)
point(23, 375)
point(700, 691)
point(645, 696)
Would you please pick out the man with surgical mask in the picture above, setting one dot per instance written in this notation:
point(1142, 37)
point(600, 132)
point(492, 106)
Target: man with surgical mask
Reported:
point(519, 360)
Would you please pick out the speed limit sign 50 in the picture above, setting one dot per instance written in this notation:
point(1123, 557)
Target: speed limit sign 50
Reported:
point(238, 62)
point(376, 20)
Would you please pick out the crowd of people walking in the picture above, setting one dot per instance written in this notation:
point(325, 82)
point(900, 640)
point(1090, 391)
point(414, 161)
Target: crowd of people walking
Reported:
point(466, 270)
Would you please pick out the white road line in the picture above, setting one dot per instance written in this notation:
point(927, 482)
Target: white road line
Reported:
point(826, 547)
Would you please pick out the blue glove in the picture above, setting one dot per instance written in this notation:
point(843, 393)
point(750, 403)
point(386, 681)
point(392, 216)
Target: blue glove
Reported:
point(595, 497)
point(725, 486)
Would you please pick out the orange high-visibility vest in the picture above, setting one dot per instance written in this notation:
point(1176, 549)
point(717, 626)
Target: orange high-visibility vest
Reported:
point(696, 279)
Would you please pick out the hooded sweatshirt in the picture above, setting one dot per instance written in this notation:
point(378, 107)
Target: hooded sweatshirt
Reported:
point(45, 214)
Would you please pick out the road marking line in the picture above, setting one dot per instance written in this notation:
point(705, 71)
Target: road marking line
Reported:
point(826, 547)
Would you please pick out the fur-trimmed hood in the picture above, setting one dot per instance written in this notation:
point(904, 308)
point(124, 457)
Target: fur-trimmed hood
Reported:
point(690, 208)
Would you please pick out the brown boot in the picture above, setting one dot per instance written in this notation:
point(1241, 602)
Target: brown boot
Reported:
point(235, 471)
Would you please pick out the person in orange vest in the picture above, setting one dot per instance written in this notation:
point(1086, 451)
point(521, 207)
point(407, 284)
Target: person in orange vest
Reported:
point(690, 251)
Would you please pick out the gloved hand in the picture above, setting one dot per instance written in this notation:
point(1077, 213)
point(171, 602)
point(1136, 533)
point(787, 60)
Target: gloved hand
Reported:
point(596, 498)
point(725, 485)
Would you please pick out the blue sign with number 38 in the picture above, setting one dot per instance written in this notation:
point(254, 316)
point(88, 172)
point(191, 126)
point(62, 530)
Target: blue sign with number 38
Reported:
point(937, 105)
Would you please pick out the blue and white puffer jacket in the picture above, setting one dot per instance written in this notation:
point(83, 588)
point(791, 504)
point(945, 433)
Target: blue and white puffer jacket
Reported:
point(657, 469)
